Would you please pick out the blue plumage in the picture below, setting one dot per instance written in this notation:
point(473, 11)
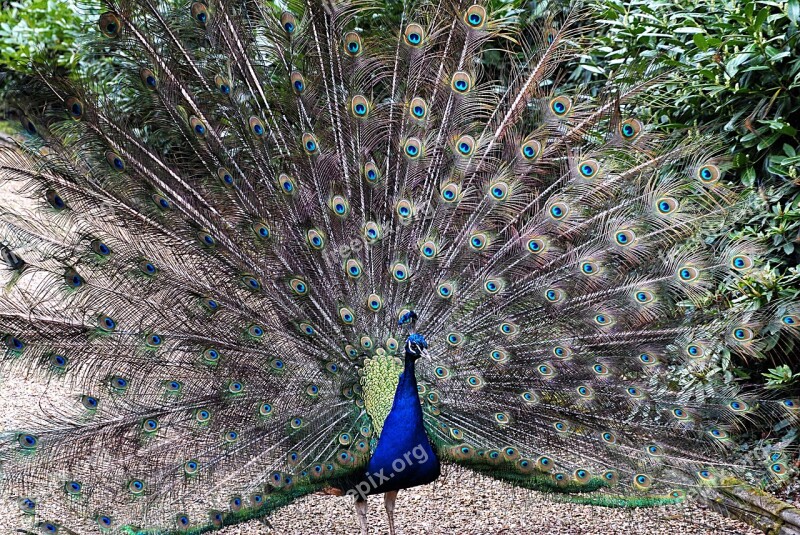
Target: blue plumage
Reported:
point(404, 457)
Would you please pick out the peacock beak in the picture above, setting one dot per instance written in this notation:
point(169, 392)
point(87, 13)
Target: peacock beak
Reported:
point(425, 353)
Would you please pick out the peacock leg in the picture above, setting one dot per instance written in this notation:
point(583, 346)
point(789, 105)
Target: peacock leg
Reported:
point(389, 500)
point(361, 511)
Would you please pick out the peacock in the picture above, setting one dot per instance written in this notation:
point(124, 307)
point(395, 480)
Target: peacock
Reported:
point(283, 250)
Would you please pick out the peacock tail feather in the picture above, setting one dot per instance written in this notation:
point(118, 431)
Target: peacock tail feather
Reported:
point(207, 260)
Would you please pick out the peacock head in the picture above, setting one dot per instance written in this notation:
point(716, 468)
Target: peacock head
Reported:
point(416, 346)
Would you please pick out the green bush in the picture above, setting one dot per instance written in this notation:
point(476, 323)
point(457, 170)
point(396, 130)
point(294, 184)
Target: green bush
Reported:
point(730, 66)
point(45, 31)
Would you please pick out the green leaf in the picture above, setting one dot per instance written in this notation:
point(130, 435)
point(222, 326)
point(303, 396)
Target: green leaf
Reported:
point(793, 10)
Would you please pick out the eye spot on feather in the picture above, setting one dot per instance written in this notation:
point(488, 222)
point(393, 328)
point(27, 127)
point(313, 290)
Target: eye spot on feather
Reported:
point(742, 334)
point(502, 418)
point(298, 286)
point(545, 370)
point(150, 425)
point(531, 150)
point(412, 148)
point(136, 487)
point(493, 286)
point(110, 25)
point(346, 315)
point(404, 209)
point(666, 205)
point(589, 268)
point(223, 85)
point(429, 249)
point(372, 232)
point(288, 22)
point(366, 342)
point(371, 173)
point(741, 262)
point(588, 168)
point(561, 106)
point(310, 144)
point(688, 273)
point(414, 35)
point(455, 339)
point(630, 129)
point(418, 109)
point(339, 205)
point(359, 106)
point(352, 44)
point(465, 145)
point(708, 173)
point(115, 161)
point(499, 190)
point(478, 241)
point(558, 211)
point(298, 82)
point(445, 290)
point(256, 126)
point(554, 295)
point(536, 245)
point(400, 272)
point(90, 403)
point(200, 13)
point(107, 323)
point(315, 239)
point(562, 352)
point(680, 414)
point(256, 331)
point(198, 127)
point(353, 268)
point(695, 351)
point(451, 193)
point(461, 82)
point(624, 237)
point(475, 16)
point(642, 481)
point(75, 108)
point(647, 359)
point(509, 329)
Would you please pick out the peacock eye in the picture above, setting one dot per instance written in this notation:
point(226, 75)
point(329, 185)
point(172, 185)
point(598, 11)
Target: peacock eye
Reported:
point(475, 16)
point(461, 82)
point(630, 129)
point(708, 173)
point(200, 13)
point(298, 82)
point(414, 34)
point(359, 106)
point(560, 106)
point(110, 24)
point(588, 168)
point(288, 22)
point(418, 108)
point(256, 126)
point(352, 44)
point(465, 145)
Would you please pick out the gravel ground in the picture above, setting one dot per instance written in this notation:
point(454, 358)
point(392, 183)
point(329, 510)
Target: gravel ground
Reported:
point(453, 505)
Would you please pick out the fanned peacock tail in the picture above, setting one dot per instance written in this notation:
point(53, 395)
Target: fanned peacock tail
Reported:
point(207, 262)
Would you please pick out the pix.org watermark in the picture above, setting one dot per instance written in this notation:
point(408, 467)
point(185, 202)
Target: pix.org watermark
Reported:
point(376, 479)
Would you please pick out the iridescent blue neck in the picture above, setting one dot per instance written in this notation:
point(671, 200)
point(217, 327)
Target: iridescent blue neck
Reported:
point(403, 443)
